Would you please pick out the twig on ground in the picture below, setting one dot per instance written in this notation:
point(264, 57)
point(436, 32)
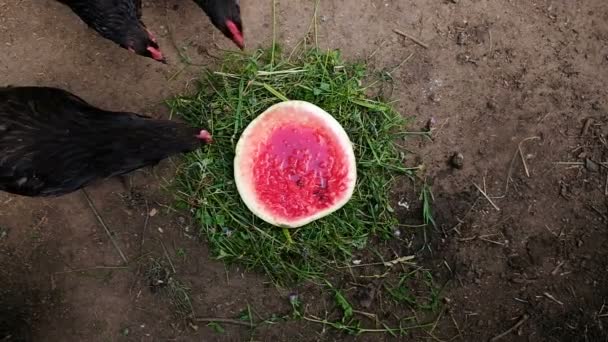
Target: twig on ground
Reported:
point(105, 227)
point(447, 266)
point(143, 232)
point(390, 263)
point(492, 241)
point(556, 269)
point(455, 323)
point(576, 163)
point(415, 40)
point(223, 320)
point(402, 62)
point(551, 231)
point(167, 255)
point(487, 197)
point(512, 329)
point(371, 316)
point(521, 153)
point(586, 126)
point(550, 296)
point(569, 163)
point(443, 310)
point(511, 164)
point(491, 42)
point(93, 269)
point(376, 50)
point(399, 260)
point(523, 161)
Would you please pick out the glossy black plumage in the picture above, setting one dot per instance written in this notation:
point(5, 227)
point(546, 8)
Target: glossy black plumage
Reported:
point(118, 21)
point(222, 13)
point(53, 142)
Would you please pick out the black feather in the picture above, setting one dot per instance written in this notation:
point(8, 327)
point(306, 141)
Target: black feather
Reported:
point(116, 20)
point(220, 11)
point(53, 142)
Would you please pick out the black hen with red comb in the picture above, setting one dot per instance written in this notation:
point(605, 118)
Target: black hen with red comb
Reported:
point(226, 16)
point(120, 22)
point(53, 142)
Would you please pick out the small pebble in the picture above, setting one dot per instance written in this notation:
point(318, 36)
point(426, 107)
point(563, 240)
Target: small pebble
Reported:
point(461, 39)
point(404, 204)
point(457, 160)
point(293, 298)
point(591, 166)
point(430, 124)
point(491, 104)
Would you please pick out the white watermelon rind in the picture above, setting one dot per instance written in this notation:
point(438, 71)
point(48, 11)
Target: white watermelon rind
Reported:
point(244, 175)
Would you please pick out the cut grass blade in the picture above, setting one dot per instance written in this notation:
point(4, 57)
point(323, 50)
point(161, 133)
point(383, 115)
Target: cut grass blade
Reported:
point(228, 100)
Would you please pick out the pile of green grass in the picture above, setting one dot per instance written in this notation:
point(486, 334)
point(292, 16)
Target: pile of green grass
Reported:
point(228, 100)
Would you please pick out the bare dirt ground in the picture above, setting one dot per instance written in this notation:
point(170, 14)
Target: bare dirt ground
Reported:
point(497, 77)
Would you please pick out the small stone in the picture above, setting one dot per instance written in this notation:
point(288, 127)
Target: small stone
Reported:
point(293, 298)
point(457, 160)
point(430, 125)
point(461, 39)
point(491, 104)
point(434, 98)
point(153, 212)
point(591, 166)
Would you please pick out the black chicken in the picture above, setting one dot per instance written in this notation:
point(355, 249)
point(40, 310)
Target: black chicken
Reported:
point(120, 22)
point(226, 16)
point(53, 142)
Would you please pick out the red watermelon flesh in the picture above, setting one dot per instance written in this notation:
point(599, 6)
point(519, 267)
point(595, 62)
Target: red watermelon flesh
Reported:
point(294, 164)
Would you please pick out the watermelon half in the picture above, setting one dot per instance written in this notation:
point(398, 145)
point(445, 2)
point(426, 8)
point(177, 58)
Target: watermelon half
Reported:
point(294, 164)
